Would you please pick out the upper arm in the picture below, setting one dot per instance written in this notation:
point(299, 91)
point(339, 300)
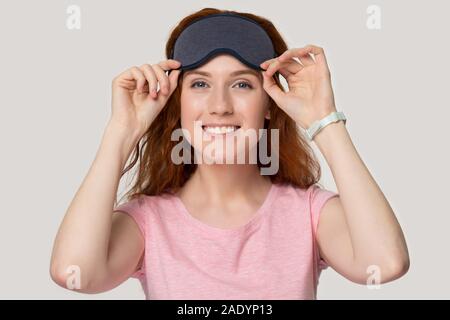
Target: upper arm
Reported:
point(126, 247)
point(334, 241)
point(335, 247)
point(125, 252)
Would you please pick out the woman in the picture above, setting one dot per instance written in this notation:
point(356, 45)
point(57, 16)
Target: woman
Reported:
point(220, 230)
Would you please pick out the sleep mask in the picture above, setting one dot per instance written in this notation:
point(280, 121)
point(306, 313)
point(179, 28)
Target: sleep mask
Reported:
point(229, 33)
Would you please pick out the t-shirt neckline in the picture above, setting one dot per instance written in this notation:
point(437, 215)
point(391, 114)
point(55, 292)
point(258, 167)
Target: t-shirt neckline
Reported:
point(258, 215)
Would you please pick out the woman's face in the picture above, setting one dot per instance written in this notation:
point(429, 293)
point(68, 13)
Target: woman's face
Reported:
point(223, 93)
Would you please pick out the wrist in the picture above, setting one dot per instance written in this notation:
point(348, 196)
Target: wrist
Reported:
point(330, 138)
point(123, 138)
point(323, 122)
point(121, 131)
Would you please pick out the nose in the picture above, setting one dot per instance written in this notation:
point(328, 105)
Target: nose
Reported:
point(219, 102)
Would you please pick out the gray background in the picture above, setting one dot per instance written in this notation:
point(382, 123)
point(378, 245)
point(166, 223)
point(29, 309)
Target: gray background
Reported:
point(55, 84)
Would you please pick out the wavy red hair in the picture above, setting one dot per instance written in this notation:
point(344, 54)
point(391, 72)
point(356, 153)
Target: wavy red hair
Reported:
point(157, 173)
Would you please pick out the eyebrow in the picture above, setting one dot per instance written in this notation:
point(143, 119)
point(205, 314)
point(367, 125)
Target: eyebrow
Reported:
point(235, 73)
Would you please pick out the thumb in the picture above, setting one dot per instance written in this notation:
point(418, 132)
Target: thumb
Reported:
point(272, 88)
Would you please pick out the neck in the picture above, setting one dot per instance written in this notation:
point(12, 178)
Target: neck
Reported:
point(221, 182)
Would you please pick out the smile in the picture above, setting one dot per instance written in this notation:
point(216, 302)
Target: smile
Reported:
point(220, 131)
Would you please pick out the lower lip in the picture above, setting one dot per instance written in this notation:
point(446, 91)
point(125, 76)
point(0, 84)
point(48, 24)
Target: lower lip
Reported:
point(221, 135)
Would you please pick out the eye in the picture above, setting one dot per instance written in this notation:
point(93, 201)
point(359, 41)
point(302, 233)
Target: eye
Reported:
point(194, 84)
point(246, 84)
point(249, 86)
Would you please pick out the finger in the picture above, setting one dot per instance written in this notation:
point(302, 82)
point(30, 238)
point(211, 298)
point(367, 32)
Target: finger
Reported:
point(290, 66)
point(285, 73)
point(273, 67)
point(306, 59)
point(301, 52)
point(151, 78)
point(266, 63)
point(162, 79)
point(128, 79)
point(173, 80)
point(169, 64)
point(148, 77)
point(139, 77)
point(319, 54)
point(295, 53)
point(125, 80)
point(271, 87)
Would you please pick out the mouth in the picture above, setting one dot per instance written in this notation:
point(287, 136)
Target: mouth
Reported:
point(220, 130)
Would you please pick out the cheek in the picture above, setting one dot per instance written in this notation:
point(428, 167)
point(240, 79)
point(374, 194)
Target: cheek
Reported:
point(187, 111)
point(253, 113)
point(252, 107)
point(192, 103)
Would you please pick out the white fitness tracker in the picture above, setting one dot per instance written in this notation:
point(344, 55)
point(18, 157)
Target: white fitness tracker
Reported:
point(320, 124)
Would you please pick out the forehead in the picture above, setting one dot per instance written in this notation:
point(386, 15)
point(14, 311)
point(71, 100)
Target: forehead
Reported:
point(232, 73)
point(223, 64)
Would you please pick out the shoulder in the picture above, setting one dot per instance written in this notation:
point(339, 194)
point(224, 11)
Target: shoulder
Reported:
point(143, 207)
point(314, 194)
point(310, 199)
point(318, 195)
point(144, 203)
point(135, 205)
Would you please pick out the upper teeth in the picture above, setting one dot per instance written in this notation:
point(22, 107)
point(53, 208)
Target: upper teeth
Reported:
point(219, 130)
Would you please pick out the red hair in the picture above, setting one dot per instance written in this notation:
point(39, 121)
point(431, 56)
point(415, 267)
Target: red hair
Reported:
point(157, 173)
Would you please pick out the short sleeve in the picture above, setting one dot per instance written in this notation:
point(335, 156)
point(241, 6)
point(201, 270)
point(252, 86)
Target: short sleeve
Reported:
point(318, 197)
point(137, 209)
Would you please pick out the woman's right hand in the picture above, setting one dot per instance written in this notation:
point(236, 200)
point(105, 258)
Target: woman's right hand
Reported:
point(135, 99)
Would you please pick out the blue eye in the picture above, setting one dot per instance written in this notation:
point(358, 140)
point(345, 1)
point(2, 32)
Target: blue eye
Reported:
point(194, 84)
point(249, 86)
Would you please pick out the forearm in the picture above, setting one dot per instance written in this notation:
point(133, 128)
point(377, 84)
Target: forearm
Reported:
point(375, 233)
point(83, 237)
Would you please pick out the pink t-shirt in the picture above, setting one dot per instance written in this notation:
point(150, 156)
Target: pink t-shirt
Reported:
point(273, 256)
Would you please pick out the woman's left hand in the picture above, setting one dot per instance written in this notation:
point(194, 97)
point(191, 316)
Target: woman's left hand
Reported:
point(310, 96)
